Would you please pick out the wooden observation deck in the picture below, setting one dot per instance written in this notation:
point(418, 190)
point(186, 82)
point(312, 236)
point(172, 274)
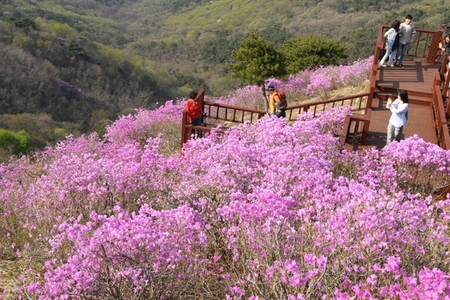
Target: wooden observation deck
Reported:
point(422, 76)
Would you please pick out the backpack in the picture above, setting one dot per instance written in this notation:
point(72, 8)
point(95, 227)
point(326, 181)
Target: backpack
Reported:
point(283, 100)
point(396, 42)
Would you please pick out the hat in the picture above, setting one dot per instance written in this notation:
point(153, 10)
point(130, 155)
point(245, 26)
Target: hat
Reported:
point(271, 88)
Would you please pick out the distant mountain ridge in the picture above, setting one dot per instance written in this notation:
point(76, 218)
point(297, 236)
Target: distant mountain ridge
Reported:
point(71, 58)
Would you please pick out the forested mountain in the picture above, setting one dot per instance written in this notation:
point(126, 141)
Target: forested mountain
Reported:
point(87, 61)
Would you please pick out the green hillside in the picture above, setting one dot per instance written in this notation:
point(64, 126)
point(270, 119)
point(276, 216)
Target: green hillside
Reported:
point(84, 62)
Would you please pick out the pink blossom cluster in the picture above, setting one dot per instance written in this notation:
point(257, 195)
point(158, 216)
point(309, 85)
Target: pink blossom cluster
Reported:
point(318, 82)
point(320, 85)
point(130, 128)
point(270, 210)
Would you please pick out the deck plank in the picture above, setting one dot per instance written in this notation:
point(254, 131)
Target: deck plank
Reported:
point(416, 78)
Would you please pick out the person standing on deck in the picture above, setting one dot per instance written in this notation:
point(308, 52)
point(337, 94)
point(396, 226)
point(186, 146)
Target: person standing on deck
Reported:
point(397, 122)
point(407, 34)
point(391, 35)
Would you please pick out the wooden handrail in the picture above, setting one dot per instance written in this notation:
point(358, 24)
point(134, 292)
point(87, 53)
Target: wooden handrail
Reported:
point(424, 46)
point(439, 115)
point(352, 125)
point(230, 113)
point(358, 102)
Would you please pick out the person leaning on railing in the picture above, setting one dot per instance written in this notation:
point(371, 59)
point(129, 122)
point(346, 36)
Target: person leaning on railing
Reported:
point(194, 111)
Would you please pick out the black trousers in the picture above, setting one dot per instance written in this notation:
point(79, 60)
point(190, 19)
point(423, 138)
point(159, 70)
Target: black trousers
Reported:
point(281, 113)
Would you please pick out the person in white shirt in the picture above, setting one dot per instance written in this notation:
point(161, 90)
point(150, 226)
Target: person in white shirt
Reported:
point(397, 121)
point(391, 34)
point(407, 33)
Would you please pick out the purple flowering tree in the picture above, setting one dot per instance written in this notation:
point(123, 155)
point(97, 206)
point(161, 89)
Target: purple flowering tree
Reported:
point(270, 210)
point(284, 214)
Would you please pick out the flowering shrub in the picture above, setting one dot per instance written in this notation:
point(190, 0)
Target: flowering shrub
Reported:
point(145, 255)
point(307, 83)
point(320, 85)
point(269, 210)
point(249, 96)
point(146, 124)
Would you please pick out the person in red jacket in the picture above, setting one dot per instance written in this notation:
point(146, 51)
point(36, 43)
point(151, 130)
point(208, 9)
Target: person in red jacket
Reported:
point(193, 109)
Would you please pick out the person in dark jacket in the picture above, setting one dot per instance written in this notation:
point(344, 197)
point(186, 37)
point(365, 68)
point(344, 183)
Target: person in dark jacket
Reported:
point(445, 47)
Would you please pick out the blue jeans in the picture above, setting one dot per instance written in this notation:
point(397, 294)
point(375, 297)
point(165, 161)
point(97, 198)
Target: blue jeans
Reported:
point(197, 122)
point(389, 53)
point(393, 133)
point(402, 51)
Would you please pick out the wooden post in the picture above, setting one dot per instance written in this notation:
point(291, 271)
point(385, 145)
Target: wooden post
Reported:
point(183, 129)
point(201, 101)
point(365, 132)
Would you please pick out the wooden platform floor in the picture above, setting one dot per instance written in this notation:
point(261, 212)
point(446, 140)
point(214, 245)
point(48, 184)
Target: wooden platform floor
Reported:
point(416, 78)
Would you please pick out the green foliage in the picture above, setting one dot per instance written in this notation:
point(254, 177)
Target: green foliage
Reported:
point(311, 51)
point(42, 129)
point(219, 48)
point(75, 49)
point(15, 142)
point(99, 121)
point(346, 6)
point(177, 5)
point(364, 42)
point(24, 23)
point(114, 56)
point(224, 85)
point(276, 33)
point(156, 51)
point(194, 83)
point(62, 30)
point(257, 60)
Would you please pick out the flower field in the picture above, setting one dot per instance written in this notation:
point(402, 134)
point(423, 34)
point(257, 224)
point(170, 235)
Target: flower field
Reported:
point(270, 210)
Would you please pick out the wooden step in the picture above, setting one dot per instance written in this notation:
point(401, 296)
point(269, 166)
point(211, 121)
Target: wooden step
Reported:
point(413, 97)
point(387, 90)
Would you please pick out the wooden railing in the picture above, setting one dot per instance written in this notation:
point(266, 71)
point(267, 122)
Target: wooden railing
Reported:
point(227, 113)
point(440, 115)
point(216, 111)
point(358, 103)
point(425, 46)
point(356, 127)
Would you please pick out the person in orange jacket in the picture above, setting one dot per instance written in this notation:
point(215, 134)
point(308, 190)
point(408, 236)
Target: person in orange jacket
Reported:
point(274, 102)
